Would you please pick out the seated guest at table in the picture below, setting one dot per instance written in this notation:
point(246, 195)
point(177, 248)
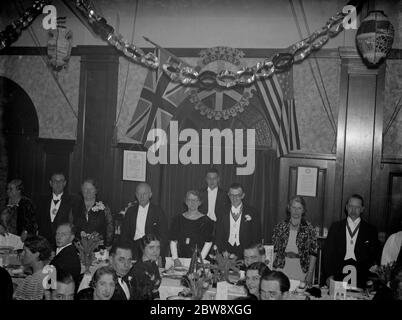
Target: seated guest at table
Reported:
point(213, 199)
point(190, 229)
point(392, 249)
point(67, 257)
point(121, 259)
point(394, 291)
point(90, 215)
point(8, 239)
point(6, 287)
point(102, 285)
point(143, 218)
point(254, 273)
point(239, 226)
point(36, 255)
point(295, 243)
point(65, 287)
point(145, 272)
point(351, 241)
point(254, 253)
point(274, 285)
point(19, 214)
point(54, 209)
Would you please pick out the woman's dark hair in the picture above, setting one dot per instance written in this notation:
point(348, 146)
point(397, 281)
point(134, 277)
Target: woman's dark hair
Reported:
point(91, 181)
point(298, 199)
point(283, 280)
point(146, 240)
point(261, 267)
point(396, 279)
point(100, 272)
point(19, 185)
point(41, 245)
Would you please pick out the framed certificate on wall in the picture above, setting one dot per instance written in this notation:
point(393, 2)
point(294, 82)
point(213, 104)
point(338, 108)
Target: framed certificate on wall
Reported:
point(307, 178)
point(134, 165)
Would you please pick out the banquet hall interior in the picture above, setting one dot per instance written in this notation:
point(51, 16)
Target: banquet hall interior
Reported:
point(323, 122)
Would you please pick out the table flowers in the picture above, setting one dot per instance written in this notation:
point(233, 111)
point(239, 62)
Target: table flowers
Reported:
point(87, 246)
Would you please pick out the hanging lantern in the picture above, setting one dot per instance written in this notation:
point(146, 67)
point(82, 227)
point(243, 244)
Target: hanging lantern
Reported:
point(374, 37)
point(59, 46)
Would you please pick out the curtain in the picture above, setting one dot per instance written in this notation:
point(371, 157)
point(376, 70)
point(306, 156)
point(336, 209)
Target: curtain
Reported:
point(171, 182)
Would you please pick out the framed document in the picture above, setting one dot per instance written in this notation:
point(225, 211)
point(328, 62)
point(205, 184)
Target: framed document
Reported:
point(307, 178)
point(134, 165)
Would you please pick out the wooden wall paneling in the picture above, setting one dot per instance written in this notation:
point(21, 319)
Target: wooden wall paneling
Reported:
point(320, 209)
point(359, 131)
point(97, 114)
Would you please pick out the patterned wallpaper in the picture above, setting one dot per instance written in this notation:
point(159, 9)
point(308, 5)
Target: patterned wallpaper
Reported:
point(315, 131)
point(56, 117)
point(393, 92)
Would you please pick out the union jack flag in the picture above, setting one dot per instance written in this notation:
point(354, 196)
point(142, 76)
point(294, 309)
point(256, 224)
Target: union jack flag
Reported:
point(158, 101)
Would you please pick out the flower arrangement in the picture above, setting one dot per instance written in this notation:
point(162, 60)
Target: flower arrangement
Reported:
point(98, 206)
point(86, 247)
point(196, 284)
point(383, 272)
point(223, 264)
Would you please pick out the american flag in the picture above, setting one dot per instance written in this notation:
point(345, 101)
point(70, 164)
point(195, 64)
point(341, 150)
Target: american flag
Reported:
point(276, 97)
point(158, 101)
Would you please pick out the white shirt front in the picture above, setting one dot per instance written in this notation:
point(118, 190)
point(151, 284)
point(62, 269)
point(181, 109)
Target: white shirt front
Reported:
point(391, 248)
point(61, 248)
point(351, 242)
point(11, 240)
point(124, 286)
point(212, 194)
point(140, 224)
point(234, 235)
point(55, 207)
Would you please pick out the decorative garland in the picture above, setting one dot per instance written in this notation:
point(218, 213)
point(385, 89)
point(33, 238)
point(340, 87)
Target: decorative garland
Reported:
point(12, 32)
point(188, 75)
point(208, 80)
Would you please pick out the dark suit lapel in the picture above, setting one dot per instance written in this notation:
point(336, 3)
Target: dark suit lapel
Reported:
point(342, 236)
point(150, 219)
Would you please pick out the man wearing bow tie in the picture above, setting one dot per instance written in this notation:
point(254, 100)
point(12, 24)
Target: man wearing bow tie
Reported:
point(66, 257)
point(351, 242)
point(144, 218)
point(239, 227)
point(121, 262)
point(213, 198)
point(55, 209)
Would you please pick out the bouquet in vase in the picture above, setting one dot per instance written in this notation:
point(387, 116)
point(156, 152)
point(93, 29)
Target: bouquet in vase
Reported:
point(223, 264)
point(383, 272)
point(86, 247)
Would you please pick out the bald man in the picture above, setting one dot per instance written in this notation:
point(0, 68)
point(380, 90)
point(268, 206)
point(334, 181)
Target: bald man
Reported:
point(143, 218)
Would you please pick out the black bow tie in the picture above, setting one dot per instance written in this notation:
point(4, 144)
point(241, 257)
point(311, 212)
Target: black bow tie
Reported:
point(56, 201)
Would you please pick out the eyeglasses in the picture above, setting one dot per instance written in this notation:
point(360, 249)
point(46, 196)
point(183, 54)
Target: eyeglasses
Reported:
point(270, 294)
point(297, 208)
point(235, 195)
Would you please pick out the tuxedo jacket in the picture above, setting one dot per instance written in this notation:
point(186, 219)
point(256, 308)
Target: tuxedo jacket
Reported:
point(222, 201)
point(69, 261)
point(119, 292)
point(334, 251)
point(46, 227)
point(156, 223)
point(249, 233)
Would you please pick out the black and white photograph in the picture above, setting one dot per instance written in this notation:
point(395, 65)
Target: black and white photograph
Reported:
point(215, 151)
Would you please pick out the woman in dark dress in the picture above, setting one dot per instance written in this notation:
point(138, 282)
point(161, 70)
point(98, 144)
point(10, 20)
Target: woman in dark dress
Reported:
point(145, 272)
point(19, 214)
point(102, 285)
point(190, 229)
point(91, 215)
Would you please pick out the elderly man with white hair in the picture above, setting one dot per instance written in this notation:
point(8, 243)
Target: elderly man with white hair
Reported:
point(143, 218)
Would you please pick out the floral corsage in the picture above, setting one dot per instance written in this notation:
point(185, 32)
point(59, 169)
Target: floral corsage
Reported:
point(98, 206)
point(247, 217)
